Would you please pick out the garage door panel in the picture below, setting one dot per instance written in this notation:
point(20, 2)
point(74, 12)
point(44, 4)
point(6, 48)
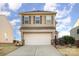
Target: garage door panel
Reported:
point(37, 39)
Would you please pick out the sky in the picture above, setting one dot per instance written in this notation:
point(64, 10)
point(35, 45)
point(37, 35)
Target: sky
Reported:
point(67, 15)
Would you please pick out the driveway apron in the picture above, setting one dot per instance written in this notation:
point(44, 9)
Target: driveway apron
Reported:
point(35, 50)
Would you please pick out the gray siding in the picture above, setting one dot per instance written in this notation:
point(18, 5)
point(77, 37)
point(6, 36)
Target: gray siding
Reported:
point(74, 34)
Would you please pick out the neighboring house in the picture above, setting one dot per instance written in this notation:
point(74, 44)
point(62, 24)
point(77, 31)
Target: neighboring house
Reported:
point(38, 27)
point(75, 33)
point(6, 33)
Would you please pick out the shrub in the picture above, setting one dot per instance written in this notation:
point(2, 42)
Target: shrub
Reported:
point(68, 40)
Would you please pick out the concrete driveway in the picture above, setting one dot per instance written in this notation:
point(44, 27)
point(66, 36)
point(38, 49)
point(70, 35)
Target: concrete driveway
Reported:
point(45, 50)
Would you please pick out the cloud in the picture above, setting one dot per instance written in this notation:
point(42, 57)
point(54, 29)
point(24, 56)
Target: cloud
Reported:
point(63, 24)
point(50, 7)
point(16, 28)
point(1, 5)
point(14, 22)
point(64, 21)
point(18, 33)
point(63, 33)
point(34, 9)
point(60, 13)
point(65, 11)
point(14, 6)
point(3, 11)
point(64, 27)
point(6, 13)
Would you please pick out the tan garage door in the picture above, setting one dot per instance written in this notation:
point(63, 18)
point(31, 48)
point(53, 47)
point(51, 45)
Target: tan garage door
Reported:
point(37, 38)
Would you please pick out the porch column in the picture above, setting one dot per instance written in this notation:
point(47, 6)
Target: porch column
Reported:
point(22, 38)
point(52, 37)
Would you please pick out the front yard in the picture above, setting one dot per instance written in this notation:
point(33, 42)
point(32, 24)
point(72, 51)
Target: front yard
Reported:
point(68, 51)
point(6, 48)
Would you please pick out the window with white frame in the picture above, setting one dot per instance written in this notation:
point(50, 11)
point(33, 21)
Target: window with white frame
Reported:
point(37, 20)
point(48, 19)
point(26, 19)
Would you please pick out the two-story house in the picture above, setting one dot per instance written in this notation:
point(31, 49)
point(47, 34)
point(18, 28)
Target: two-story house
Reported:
point(38, 27)
point(74, 32)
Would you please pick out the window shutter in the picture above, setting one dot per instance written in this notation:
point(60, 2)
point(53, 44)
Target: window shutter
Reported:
point(52, 19)
point(33, 19)
point(29, 19)
point(40, 19)
point(22, 19)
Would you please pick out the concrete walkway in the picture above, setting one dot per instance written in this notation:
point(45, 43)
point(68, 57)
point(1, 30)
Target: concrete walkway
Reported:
point(35, 51)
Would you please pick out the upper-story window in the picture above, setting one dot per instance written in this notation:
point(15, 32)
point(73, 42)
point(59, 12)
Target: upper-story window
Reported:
point(48, 19)
point(37, 20)
point(27, 20)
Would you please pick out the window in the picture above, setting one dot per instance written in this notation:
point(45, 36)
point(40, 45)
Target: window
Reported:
point(5, 36)
point(77, 31)
point(37, 20)
point(26, 20)
point(48, 19)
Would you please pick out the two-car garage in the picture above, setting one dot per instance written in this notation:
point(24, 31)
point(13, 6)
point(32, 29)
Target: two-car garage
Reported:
point(37, 38)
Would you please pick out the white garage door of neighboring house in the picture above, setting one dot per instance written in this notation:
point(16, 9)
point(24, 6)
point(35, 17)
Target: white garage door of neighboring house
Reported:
point(37, 38)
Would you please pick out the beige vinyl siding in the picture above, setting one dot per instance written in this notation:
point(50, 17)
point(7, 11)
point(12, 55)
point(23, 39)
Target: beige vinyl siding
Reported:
point(5, 27)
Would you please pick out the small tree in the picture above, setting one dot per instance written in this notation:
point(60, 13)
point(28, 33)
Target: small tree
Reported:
point(68, 40)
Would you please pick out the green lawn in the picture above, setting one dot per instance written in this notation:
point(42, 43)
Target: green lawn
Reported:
point(6, 48)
